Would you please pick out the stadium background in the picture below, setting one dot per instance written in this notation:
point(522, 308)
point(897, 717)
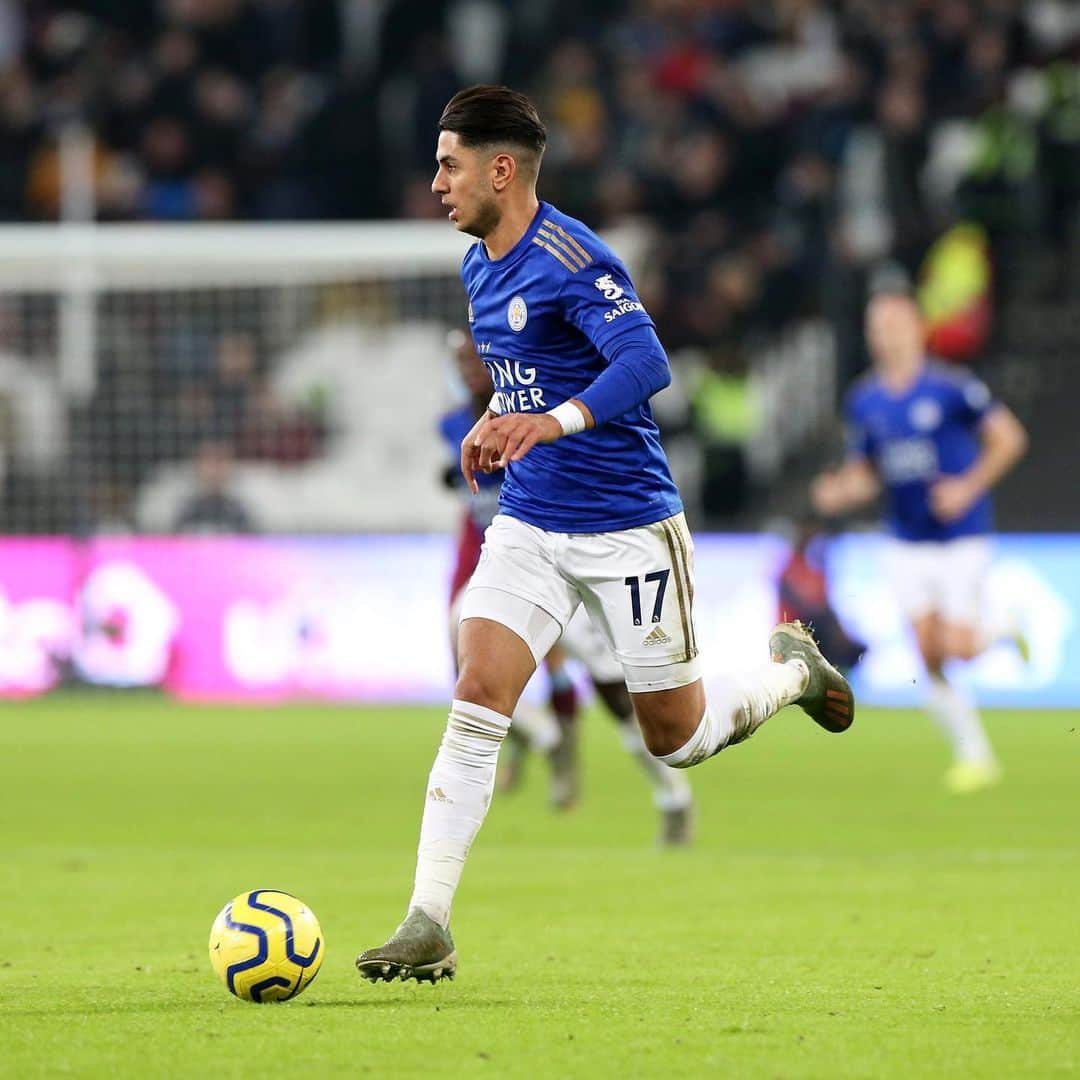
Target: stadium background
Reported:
point(224, 306)
point(223, 350)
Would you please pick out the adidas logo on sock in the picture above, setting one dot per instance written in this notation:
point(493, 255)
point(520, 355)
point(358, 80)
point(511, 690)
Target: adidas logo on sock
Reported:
point(437, 794)
point(656, 636)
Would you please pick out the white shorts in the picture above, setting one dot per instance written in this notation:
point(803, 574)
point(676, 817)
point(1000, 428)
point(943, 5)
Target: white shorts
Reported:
point(636, 585)
point(944, 578)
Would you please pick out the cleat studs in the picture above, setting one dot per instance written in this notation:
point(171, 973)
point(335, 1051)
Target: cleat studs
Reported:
point(385, 968)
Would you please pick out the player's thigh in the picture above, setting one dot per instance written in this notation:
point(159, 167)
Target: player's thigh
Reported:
point(517, 588)
point(583, 642)
point(494, 665)
point(965, 565)
point(638, 587)
point(914, 574)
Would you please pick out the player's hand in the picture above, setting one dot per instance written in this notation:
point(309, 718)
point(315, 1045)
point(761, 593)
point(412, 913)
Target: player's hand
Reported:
point(827, 495)
point(509, 438)
point(470, 452)
point(952, 497)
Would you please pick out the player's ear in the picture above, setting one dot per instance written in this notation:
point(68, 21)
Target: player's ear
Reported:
point(503, 171)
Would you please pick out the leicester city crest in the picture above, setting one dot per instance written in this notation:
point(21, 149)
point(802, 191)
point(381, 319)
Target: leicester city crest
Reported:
point(517, 314)
point(924, 414)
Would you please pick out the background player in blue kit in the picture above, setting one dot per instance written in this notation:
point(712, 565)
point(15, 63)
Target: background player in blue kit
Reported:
point(589, 512)
point(933, 440)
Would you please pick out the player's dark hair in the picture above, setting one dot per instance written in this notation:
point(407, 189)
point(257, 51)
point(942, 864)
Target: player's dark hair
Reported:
point(489, 115)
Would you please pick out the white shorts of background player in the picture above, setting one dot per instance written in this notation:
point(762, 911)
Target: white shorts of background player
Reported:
point(636, 585)
point(943, 577)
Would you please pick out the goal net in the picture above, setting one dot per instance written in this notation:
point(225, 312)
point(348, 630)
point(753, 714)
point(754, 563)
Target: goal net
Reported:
point(144, 371)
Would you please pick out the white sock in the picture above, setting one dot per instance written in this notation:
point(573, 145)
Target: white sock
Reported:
point(956, 715)
point(459, 792)
point(671, 789)
point(739, 707)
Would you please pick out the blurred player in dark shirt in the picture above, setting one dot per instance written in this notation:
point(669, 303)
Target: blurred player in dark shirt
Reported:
point(804, 595)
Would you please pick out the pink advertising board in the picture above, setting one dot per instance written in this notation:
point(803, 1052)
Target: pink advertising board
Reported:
point(363, 618)
point(228, 618)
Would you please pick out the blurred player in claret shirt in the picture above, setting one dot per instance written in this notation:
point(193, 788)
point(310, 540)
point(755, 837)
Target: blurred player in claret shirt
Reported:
point(580, 641)
point(932, 439)
point(588, 512)
point(803, 588)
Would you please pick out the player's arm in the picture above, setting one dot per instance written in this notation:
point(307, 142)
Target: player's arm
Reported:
point(600, 301)
point(856, 482)
point(509, 438)
point(1004, 441)
point(637, 367)
point(853, 485)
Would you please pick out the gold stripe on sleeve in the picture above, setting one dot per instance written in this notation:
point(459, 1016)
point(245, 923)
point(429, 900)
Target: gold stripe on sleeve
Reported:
point(558, 254)
point(563, 246)
point(570, 240)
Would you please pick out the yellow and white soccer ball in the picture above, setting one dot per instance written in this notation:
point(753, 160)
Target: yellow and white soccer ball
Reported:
point(266, 945)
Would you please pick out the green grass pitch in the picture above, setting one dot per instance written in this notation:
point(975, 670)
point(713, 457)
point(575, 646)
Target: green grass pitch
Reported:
point(839, 915)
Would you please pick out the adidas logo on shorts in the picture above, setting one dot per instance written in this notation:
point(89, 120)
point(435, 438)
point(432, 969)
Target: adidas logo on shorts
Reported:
point(656, 636)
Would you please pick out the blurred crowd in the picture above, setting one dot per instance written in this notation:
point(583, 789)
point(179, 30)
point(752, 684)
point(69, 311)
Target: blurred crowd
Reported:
point(776, 143)
point(778, 149)
point(198, 109)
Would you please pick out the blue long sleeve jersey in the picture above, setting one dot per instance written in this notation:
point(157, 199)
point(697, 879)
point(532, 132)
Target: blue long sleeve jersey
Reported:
point(557, 318)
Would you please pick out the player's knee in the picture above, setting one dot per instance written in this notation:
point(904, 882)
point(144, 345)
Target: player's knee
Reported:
point(961, 643)
point(933, 654)
point(669, 718)
point(961, 651)
point(484, 688)
point(665, 738)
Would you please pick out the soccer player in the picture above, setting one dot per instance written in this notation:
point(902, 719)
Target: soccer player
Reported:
point(580, 640)
point(932, 438)
point(589, 513)
point(804, 595)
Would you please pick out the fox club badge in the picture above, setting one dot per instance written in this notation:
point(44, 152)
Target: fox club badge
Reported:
point(517, 314)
